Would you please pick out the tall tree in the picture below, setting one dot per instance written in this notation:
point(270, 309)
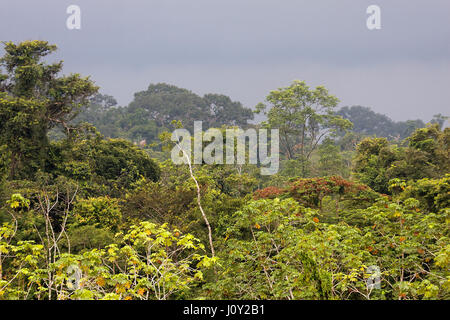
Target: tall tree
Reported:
point(304, 117)
point(34, 99)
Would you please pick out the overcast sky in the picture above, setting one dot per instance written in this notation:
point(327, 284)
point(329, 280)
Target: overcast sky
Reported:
point(245, 48)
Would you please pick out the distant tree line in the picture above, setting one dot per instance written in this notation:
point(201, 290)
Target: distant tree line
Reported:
point(369, 123)
point(152, 111)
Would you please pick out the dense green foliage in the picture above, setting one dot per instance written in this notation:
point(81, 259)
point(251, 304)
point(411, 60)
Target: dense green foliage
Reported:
point(426, 156)
point(85, 217)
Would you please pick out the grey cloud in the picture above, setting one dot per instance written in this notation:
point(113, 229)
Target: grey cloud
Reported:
point(247, 47)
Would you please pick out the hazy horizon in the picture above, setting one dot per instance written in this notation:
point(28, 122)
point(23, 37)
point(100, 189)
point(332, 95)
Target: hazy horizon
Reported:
point(246, 49)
